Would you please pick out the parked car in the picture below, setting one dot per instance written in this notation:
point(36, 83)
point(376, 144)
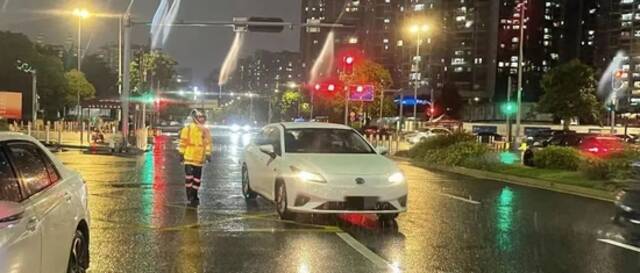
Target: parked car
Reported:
point(598, 145)
point(543, 135)
point(425, 133)
point(375, 130)
point(309, 167)
point(44, 219)
point(627, 210)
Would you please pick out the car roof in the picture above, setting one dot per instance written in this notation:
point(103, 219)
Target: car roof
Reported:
point(319, 125)
point(4, 136)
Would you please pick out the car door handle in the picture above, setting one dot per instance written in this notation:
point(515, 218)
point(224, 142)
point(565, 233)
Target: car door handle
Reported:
point(32, 223)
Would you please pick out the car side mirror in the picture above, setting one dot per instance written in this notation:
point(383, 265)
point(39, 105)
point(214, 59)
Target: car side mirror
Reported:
point(268, 149)
point(10, 212)
point(382, 150)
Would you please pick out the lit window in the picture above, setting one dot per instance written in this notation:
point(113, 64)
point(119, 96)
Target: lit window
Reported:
point(387, 20)
point(592, 11)
point(500, 64)
point(353, 40)
point(626, 17)
point(514, 39)
point(555, 56)
point(460, 18)
point(385, 40)
point(400, 43)
point(418, 7)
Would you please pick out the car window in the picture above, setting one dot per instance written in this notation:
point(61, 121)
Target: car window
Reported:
point(274, 139)
point(32, 170)
point(317, 140)
point(9, 188)
point(263, 137)
point(556, 140)
point(54, 176)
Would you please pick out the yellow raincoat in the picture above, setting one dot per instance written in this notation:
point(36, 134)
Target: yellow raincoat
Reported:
point(195, 144)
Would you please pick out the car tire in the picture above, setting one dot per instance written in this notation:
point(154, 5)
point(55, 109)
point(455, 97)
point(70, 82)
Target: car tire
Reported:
point(247, 192)
point(281, 201)
point(79, 253)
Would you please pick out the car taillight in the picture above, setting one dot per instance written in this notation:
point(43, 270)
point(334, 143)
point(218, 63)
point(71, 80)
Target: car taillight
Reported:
point(593, 149)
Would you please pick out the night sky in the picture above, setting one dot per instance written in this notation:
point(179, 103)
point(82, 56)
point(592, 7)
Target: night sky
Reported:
point(201, 49)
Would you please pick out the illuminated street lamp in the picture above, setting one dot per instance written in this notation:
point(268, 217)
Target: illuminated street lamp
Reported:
point(81, 13)
point(418, 30)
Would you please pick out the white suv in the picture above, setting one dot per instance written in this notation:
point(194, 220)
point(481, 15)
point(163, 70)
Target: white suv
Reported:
point(44, 219)
point(425, 133)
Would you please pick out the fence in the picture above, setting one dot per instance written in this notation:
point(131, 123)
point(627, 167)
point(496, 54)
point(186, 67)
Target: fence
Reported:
point(391, 143)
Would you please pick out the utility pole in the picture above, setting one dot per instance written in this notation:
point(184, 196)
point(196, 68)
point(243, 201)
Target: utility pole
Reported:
point(124, 97)
point(520, 61)
point(509, 136)
point(34, 96)
point(381, 103)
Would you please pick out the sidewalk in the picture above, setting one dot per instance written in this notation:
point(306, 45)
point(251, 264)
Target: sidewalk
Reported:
point(518, 180)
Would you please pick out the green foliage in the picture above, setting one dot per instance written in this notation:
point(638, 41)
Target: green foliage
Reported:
point(438, 142)
point(570, 91)
point(561, 158)
point(100, 76)
point(77, 83)
point(457, 154)
point(152, 69)
point(4, 125)
point(51, 82)
point(616, 166)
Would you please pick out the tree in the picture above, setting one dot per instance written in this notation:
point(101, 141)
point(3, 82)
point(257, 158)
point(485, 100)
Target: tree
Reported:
point(77, 84)
point(451, 103)
point(569, 92)
point(364, 72)
point(51, 81)
point(153, 69)
point(100, 76)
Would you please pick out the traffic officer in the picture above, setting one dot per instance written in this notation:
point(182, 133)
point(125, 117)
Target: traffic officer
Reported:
point(195, 149)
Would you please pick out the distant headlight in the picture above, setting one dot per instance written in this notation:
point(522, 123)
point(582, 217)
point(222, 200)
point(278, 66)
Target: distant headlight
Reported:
point(235, 127)
point(396, 177)
point(246, 128)
point(308, 176)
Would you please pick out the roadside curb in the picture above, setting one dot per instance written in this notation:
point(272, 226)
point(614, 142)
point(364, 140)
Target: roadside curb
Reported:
point(518, 180)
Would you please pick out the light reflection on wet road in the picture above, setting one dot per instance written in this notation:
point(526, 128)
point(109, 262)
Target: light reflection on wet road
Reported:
point(454, 224)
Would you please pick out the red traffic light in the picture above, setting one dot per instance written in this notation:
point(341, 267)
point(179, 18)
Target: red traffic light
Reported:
point(331, 87)
point(317, 87)
point(359, 88)
point(349, 60)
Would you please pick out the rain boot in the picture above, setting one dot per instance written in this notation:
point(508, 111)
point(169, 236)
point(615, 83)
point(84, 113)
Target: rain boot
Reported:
point(189, 191)
point(195, 201)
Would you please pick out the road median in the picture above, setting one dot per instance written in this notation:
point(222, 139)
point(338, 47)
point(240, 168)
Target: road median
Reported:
point(598, 194)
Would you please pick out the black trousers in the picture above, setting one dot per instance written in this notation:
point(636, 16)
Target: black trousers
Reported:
point(193, 175)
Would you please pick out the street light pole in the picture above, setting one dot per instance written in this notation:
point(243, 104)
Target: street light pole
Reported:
point(520, 61)
point(124, 97)
point(34, 94)
point(416, 80)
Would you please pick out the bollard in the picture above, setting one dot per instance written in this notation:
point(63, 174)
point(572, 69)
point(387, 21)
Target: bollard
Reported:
point(48, 136)
point(377, 139)
point(397, 143)
point(29, 128)
point(59, 138)
point(81, 134)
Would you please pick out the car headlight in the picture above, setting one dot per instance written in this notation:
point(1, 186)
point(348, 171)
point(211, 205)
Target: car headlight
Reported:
point(246, 128)
point(396, 177)
point(308, 176)
point(235, 127)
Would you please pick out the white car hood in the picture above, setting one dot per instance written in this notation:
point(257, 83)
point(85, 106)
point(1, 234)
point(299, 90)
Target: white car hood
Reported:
point(342, 164)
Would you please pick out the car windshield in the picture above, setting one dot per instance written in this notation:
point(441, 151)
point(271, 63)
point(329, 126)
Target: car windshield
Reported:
point(325, 141)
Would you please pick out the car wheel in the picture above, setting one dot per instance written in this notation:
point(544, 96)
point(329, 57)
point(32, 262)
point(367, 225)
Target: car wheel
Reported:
point(281, 201)
point(79, 256)
point(246, 187)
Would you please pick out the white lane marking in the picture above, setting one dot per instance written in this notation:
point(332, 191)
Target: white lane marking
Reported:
point(367, 253)
point(470, 201)
point(619, 244)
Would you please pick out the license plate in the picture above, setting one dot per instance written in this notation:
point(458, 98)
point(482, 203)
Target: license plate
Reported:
point(361, 203)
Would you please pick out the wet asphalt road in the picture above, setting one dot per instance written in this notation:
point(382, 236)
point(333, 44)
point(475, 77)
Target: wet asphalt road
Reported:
point(454, 224)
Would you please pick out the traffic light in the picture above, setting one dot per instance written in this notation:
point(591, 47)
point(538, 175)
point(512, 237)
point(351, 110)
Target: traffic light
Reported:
point(317, 87)
point(258, 24)
point(348, 61)
point(509, 108)
point(331, 87)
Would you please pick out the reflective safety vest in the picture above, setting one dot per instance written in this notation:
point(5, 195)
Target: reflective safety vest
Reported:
point(195, 144)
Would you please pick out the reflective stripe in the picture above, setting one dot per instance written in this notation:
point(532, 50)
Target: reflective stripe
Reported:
point(196, 187)
point(189, 177)
point(195, 179)
point(188, 185)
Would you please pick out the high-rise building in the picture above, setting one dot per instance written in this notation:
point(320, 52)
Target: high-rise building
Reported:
point(110, 54)
point(265, 71)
